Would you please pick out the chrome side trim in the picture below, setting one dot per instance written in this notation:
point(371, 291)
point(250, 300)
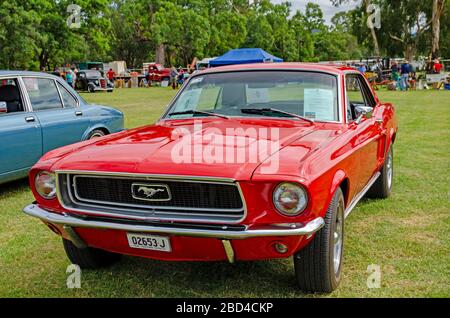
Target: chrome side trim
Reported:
point(24, 95)
point(361, 194)
point(299, 229)
point(228, 250)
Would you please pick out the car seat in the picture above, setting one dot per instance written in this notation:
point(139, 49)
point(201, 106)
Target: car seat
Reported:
point(10, 94)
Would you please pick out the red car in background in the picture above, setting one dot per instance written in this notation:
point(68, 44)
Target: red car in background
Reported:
point(157, 72)
point(248, 162)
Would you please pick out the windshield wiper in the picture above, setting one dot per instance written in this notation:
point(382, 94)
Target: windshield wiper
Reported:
point(201, 112)
point(264, 111)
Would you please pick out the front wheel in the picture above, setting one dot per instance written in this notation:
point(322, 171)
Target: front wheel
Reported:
point(97, 133)
point(91, 89)
point(318, 266)
point(88, 257)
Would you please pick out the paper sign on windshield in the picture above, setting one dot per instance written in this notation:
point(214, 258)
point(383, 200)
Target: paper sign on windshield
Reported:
point(319, 104)
point(257, 95)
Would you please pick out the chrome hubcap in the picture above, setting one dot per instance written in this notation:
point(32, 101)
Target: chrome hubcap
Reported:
point(96, 136)
point(390, 170)
point(338, 238)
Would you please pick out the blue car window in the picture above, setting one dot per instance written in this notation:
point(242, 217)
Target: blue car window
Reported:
point(68, 99)
point(10, 96)
point(43, 93)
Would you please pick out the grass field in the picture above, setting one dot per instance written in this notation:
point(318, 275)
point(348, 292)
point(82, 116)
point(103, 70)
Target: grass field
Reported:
point(406, 235)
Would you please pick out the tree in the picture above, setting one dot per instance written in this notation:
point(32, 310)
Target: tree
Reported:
point(127, 42)
point(406, 22)
point(17, 35)
point(365, 6)
point(438, 9)
point(303, 37)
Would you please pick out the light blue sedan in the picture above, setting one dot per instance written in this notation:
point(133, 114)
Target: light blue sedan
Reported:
point(40, 112)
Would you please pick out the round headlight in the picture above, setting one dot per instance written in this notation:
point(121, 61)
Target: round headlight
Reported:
point(290, 198)
point(45, 184)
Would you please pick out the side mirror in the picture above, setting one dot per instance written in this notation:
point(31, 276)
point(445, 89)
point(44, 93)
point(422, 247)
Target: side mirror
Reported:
point(363, 112)
point(3, 107)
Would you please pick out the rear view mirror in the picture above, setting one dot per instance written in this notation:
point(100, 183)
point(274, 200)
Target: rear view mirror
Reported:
point(363, 112)
point(3, 107)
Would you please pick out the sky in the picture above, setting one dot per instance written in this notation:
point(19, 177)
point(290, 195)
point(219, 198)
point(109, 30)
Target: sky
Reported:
point(328, 9)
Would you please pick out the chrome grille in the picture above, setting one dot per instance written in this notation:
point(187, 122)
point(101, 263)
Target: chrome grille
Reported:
point(191, 199)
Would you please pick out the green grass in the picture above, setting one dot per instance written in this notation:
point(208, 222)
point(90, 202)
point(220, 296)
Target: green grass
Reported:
point(407, 235)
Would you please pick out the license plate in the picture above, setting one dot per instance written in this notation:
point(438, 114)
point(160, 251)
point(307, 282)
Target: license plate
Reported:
point(149, 242)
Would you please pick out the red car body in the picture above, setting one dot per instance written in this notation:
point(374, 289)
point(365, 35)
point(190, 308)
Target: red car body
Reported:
point(321, 156)
point(157, 72)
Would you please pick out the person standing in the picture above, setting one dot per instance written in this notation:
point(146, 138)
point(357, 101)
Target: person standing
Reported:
point(362, 68)
point(110, 74)
point(437, 66)
point(173, 77)
point(69, 77)
point(74, 77)
point(405, 69)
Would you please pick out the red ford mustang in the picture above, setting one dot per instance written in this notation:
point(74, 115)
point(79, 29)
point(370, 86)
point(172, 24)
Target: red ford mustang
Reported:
point(248, 162)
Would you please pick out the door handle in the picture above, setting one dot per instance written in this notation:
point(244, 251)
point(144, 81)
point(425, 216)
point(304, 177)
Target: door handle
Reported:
point(78, 113)
point(29, 119)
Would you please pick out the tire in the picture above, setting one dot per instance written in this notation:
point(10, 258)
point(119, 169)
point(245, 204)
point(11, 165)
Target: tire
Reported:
point(316, 267)
point(97, 133)
point(89, 258)
point(110, 91)
point(91, 89)
point(382, 188)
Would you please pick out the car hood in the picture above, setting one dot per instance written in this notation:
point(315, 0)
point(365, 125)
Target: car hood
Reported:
point(199, 147)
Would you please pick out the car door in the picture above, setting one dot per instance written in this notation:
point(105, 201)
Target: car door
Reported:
point(20, 131)
point(367, 128)
point(62, 121)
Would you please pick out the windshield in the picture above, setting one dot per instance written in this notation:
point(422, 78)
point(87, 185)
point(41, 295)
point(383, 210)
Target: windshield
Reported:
point(93, 73)
point(307, 94)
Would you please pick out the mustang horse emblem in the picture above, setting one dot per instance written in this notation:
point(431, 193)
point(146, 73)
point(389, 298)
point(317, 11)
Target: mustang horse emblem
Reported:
point(149, 192)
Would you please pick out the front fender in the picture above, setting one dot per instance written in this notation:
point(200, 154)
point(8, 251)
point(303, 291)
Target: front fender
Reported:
point(339, 177)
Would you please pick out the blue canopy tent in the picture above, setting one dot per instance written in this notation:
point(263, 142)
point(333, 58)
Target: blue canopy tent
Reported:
point(244, 56)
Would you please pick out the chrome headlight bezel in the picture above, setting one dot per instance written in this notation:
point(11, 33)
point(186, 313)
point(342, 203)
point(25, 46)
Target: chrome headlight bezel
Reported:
point(296, 190)
point(45, 184)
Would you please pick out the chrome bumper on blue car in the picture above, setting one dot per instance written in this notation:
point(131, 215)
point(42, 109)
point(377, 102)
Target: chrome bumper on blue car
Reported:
point(288, 229)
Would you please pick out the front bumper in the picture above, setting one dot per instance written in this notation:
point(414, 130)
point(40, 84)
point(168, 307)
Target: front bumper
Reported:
point(291, 229)
point(100, 89)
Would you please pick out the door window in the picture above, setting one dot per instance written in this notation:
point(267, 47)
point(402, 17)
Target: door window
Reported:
point(68, 99)
point(43, 93)
point(357, 95)
point(10, 96)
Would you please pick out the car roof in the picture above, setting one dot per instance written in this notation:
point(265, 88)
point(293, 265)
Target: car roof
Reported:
point(327, 68)
point(23, 73)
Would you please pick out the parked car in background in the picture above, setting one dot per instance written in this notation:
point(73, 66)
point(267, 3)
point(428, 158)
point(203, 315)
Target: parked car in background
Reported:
point(93, 81)
point(157, 72)
point(316, 139)
point(40, 112)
